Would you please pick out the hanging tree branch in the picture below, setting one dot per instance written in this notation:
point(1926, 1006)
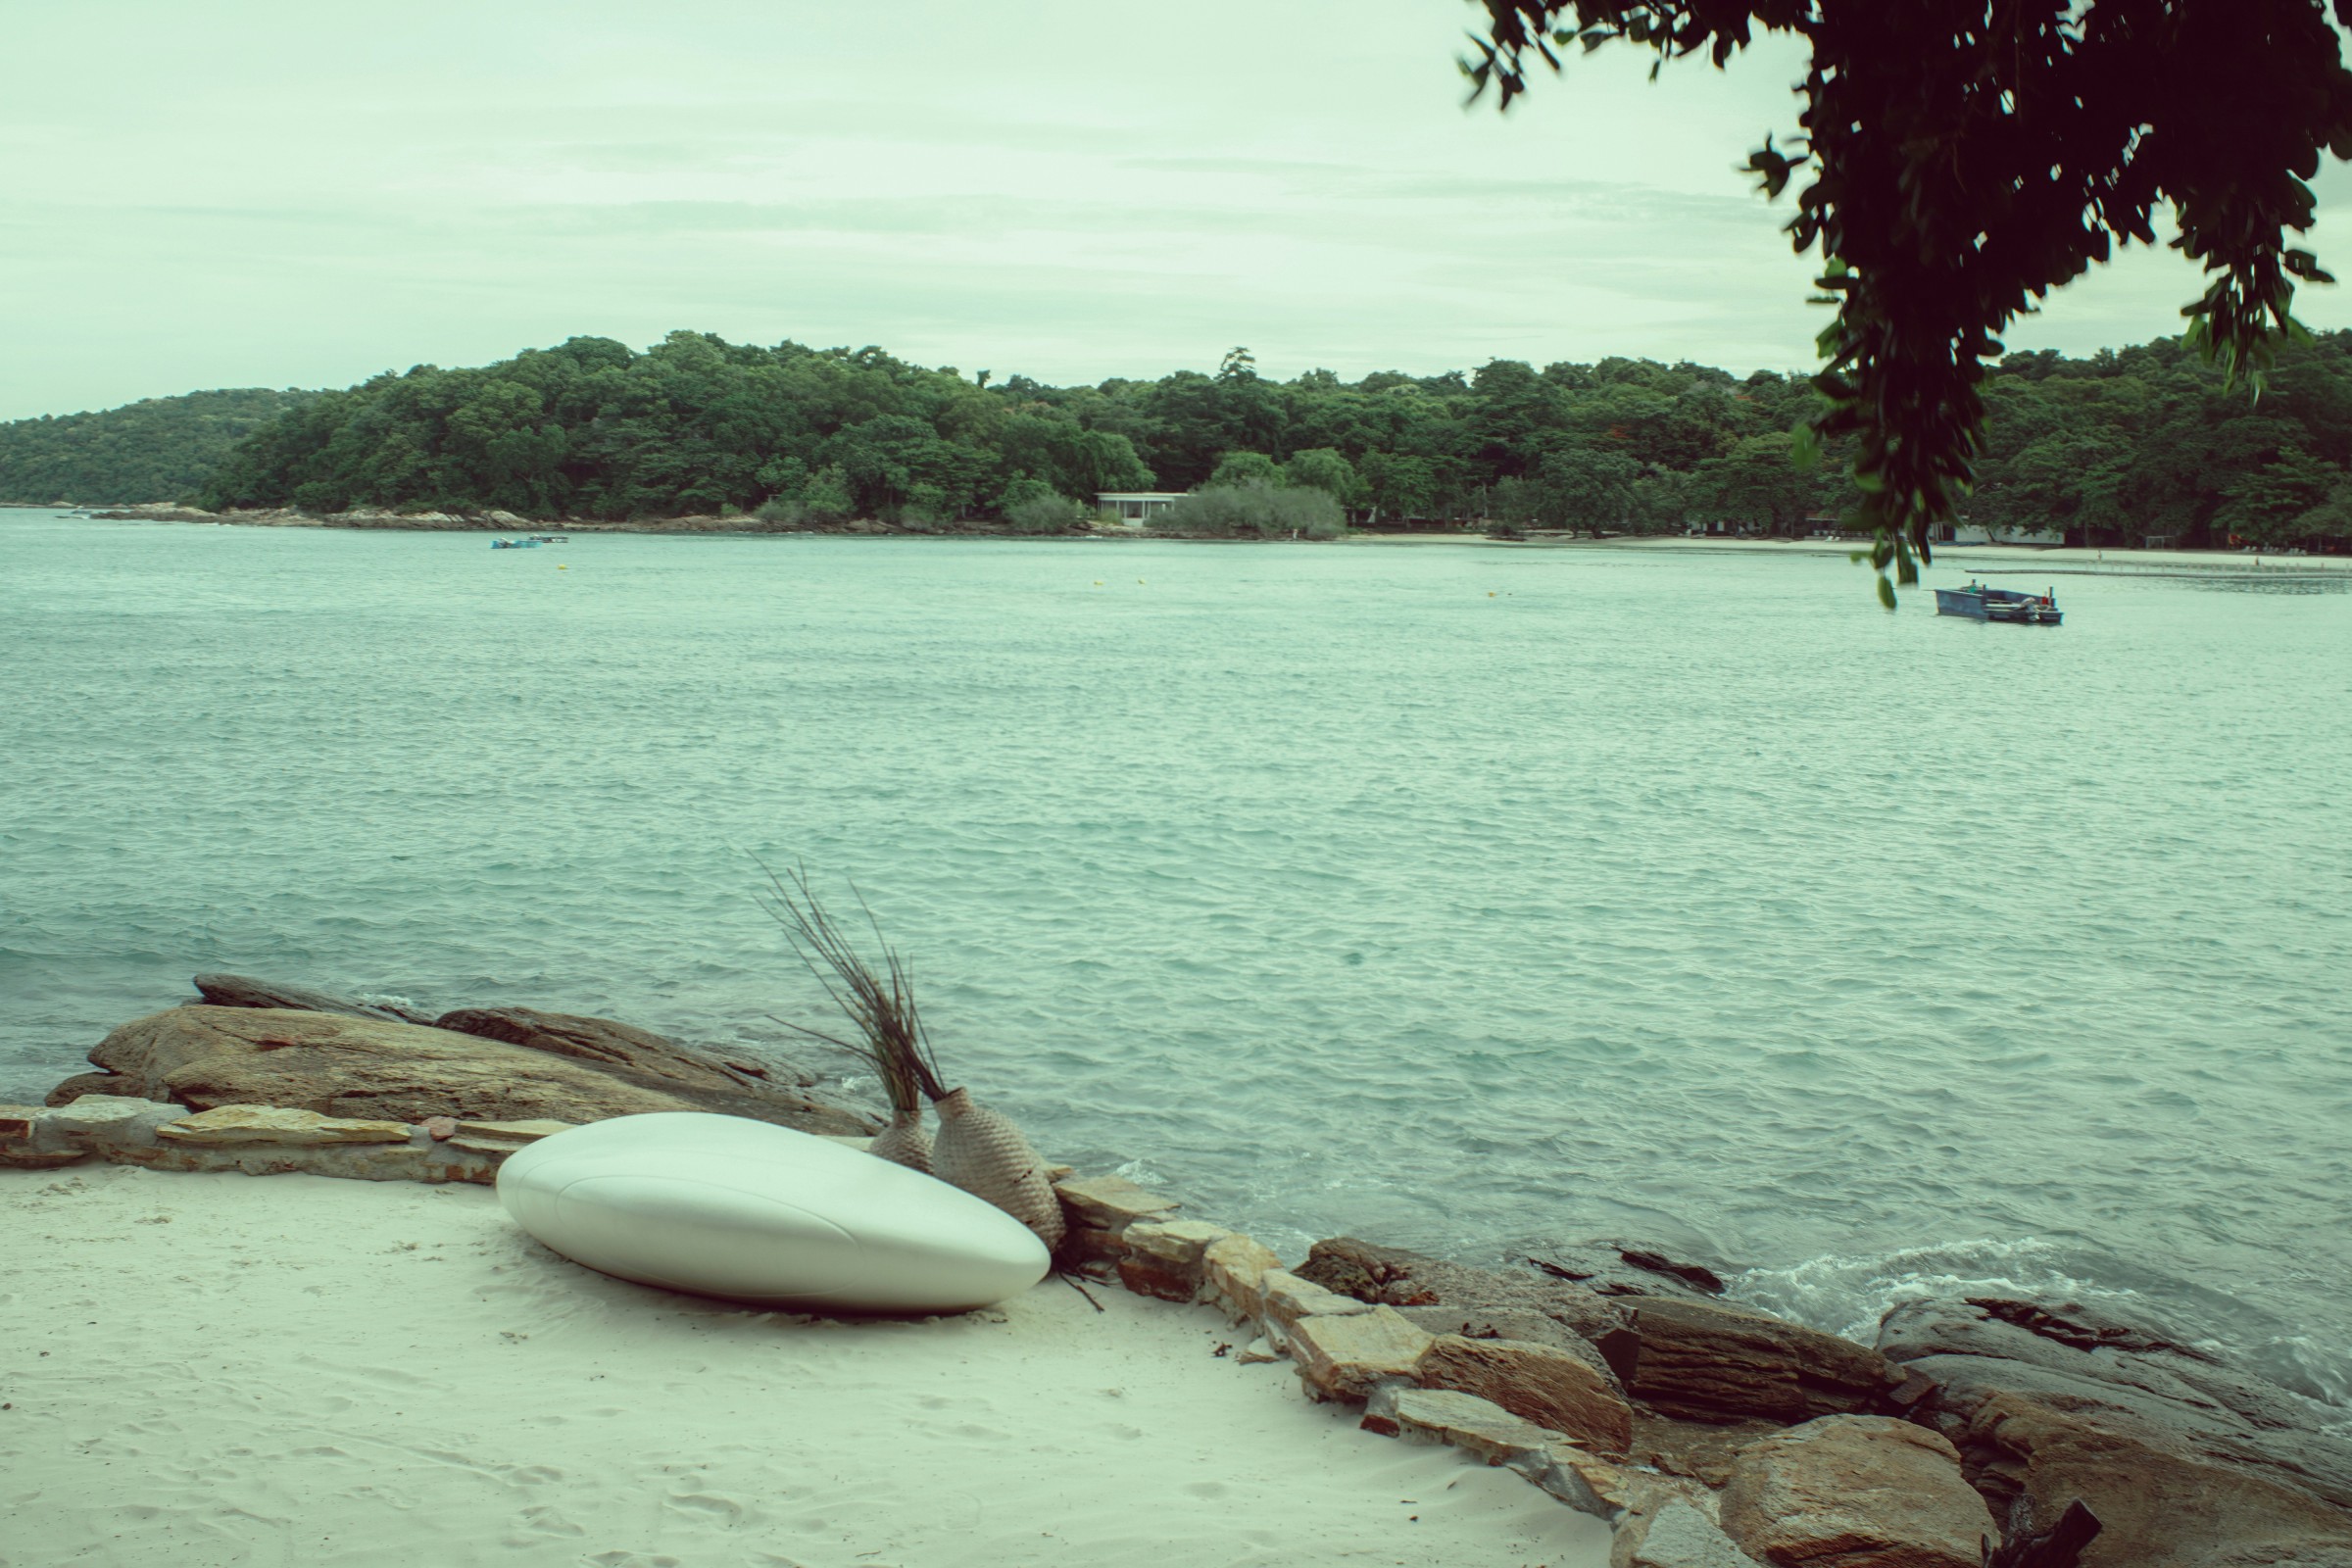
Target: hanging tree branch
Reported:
point(1962, 157)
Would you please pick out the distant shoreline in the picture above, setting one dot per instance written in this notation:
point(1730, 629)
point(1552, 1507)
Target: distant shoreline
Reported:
point(2064, 560)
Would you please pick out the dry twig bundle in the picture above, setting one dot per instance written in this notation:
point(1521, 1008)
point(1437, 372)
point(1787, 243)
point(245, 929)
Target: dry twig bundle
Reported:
point(978, 1149)
point(890, 1030)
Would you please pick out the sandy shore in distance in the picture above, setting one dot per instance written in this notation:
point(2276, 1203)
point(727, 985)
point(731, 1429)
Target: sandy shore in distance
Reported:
point(1975, 557)
point(212, 1369)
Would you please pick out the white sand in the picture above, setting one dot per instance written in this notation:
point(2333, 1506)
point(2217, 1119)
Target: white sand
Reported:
point(293, 1370)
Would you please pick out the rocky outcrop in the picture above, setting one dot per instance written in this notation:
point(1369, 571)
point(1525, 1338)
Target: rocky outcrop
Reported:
point(1704, 1361)
point(1962, 1354)
point(372, 1068)
point(2157, 1508)
point(1857, 1491)
point(256, 1140)
point(2186, 1463)
point(244, 990)
point(1394, 1277)
point(637, 1055)
point(1627, 1268)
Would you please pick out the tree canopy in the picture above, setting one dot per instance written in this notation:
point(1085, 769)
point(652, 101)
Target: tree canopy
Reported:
point(161, 449)
point(2110, 449)
point(1958, 159)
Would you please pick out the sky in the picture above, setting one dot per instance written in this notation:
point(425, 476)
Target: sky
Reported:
point(268, 194)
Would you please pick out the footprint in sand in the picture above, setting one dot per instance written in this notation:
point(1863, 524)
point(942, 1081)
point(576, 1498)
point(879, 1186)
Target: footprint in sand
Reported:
point(708, 1505)
point(549, 1522)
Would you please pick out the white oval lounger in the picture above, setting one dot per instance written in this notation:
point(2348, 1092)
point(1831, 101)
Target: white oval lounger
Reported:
point(722, 1206)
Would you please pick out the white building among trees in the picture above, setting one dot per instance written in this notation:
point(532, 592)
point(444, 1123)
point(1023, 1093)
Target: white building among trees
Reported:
point(1135, 508)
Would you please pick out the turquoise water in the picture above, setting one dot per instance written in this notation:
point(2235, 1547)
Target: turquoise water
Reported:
point(1463, 897)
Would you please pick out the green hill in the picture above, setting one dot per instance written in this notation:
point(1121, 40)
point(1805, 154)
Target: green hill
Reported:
point(159, 449)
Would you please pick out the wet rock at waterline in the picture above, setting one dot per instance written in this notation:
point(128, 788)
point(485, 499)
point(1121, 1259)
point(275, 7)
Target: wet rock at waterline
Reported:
point(1626, 1268)
point(244, 990)
point(1706, 1361)
point(341, 1065)
point(2187, 1464)
point(1963, 1354)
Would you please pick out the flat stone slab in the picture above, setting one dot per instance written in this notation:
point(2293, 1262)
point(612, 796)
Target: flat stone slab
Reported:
point(1552, 1387)
point(277, 1124)
point(16, 1121)
point(1163, 1259)
point(97, 1113)
point(1681, 1536)
point(496, 1147)
point(524, 1132)
point(1467, 1422)
point(1288, 1299)
point(1345, 1356)
point(1233, 1274)
point(1111, 1203)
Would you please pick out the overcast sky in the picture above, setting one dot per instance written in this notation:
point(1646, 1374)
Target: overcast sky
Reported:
point(303, 194)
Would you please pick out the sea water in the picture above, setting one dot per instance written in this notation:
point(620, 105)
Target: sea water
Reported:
point(1467, 898)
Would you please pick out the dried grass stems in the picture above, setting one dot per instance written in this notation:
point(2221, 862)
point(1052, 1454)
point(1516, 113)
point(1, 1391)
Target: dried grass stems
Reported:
point(891, 1037)
point(978, 1149)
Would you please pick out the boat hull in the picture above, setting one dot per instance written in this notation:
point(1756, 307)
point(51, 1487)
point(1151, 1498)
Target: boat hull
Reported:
point(1976, 603)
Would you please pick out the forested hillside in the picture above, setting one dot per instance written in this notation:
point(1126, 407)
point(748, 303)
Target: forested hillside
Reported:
point(161, 449)
point(2110, 449)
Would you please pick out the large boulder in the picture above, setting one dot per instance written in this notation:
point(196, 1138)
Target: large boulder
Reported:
point(623, 1049)
point(340, 1065)
point(2187, 1464)
point(1567, 1313)
point(2157, 1508)
point(1704, 1361)
point(1857, 1491)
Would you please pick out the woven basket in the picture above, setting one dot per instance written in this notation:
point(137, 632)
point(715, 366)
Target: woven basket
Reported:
point(905, 1142)
point(983, 1152)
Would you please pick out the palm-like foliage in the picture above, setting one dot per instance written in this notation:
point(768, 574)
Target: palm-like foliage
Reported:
point(978, 1149)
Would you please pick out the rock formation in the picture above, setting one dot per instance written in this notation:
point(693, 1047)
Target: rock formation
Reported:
point(1857, 1492)
point(2186, 1463)
point(347, 1066)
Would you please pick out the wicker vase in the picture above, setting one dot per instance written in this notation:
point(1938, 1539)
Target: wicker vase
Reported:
point(983, 1152)
point(905, 1142)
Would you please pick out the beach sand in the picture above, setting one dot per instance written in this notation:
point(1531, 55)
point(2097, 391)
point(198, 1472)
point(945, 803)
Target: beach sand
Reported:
point(296, 1370)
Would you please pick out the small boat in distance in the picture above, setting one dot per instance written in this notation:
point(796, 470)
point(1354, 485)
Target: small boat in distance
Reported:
point(551, 539)
point(1980, 603)
point(516, 543)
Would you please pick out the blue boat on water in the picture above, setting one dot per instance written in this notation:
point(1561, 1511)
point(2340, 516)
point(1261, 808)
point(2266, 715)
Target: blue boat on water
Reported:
point(516, 543)
point(1980, 603)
